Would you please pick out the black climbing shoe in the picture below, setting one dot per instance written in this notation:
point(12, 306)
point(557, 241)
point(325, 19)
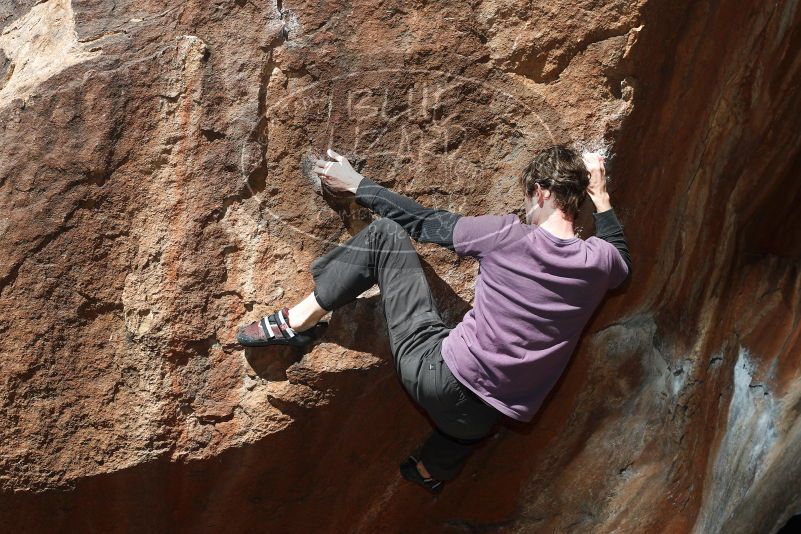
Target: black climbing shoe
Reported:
point(274, 329)
point(409, 471)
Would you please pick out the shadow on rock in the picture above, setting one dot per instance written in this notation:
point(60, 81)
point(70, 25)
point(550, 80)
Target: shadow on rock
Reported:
point(271, 363)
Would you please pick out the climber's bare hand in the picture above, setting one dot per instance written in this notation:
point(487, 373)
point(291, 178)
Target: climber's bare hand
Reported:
point(338, 175)
point(597, 188)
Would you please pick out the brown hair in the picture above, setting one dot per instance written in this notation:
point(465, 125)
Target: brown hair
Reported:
point(560, 170)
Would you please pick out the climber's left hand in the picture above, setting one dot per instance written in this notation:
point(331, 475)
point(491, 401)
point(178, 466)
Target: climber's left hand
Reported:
point(338, 175)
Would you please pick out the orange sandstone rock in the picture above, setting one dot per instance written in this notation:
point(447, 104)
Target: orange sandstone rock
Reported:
point(152, 200)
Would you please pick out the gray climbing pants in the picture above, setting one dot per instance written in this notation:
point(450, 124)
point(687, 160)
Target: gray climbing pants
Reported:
point(382, 253)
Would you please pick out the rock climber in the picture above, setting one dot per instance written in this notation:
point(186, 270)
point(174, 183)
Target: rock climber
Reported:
point(537, 286)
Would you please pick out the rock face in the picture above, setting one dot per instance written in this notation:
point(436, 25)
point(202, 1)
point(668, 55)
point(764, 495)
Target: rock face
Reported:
point(152, 200)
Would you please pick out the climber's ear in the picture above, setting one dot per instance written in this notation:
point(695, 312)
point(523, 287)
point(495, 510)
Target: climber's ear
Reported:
point(545, 194)
point(536, 194)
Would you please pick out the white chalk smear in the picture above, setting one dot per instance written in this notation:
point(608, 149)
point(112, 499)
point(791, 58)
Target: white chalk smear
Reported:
point(750, 434)
point(600, 147)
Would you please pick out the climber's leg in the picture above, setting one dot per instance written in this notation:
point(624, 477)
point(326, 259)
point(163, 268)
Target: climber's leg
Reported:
point(306, 313)
point(461, 418)
point(381, 253)
point(443, 455)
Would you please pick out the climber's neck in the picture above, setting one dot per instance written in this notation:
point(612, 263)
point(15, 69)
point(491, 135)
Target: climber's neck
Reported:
point(551, 219)
point(560, 227)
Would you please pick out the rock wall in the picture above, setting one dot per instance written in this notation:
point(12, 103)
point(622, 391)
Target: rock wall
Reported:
point(153, 199)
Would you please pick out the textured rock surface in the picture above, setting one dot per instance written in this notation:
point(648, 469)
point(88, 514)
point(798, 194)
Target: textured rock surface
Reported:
point(153, 200)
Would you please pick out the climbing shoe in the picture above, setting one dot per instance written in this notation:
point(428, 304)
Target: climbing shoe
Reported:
point(274, 329)
point(409, 471)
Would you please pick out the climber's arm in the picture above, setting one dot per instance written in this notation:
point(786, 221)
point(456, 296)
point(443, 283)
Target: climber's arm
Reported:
point(422, 224)
point(607, 225)
point(608, 228)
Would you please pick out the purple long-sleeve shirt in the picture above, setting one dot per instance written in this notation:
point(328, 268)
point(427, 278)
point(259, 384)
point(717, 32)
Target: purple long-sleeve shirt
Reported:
point(534, 294)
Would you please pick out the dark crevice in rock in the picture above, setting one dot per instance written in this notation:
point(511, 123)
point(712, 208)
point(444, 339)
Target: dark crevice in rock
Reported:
point(93, 308)
point(6, 69)
point(212, 135)
point(212, 419)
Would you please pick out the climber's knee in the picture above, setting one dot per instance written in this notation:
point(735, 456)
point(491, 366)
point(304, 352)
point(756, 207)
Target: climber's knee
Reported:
point(389, 235)
point(387, 226)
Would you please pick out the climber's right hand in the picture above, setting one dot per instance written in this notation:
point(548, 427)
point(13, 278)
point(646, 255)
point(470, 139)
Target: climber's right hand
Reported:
point(597, 188)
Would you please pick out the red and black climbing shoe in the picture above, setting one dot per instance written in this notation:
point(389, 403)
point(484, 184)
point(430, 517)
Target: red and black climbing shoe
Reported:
point(409, 471)
point(274, 329)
